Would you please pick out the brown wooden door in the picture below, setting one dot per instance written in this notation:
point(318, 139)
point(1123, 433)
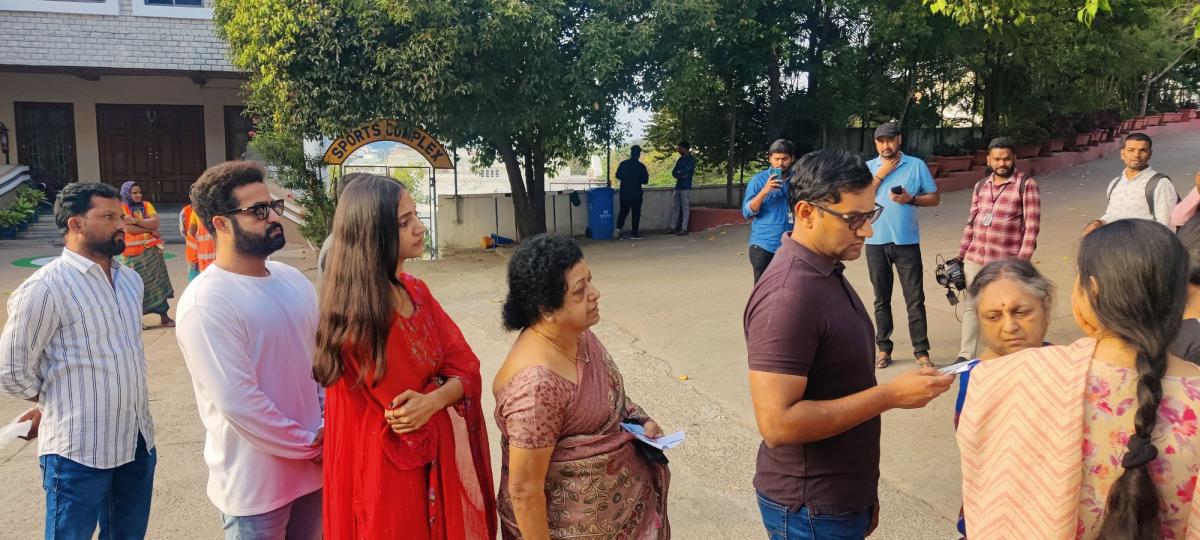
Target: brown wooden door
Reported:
point(46, 142)
point(159, 146)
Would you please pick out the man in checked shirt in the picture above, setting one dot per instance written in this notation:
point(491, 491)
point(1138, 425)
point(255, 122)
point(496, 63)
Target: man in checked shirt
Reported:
point(1006, 213)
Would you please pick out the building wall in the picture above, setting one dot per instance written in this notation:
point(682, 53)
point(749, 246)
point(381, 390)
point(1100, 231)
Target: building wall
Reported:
point(214, 96)
point(463, 223)
point(127, 40)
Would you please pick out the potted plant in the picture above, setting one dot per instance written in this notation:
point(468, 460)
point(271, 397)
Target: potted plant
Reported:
point(34, 198)
point(978, 150)
point(9, 218)
point(1028, 139)
point(951, 158)
point(1108, 122)
point(1061, 130)
point(1188, 108)
point(26, 210)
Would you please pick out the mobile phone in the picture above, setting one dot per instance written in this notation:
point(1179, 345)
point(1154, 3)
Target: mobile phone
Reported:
point(775, 171)
point(897, 190)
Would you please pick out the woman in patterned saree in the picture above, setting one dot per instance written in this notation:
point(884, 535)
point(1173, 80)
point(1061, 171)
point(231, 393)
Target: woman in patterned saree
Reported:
point(406, 448)
point(1097, 439)
point(569, 470)
point(143, 252)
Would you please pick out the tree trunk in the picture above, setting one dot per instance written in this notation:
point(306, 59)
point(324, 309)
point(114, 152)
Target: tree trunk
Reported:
point(527, 221)
point(992, 77)
point(537, 184)
point(775, 120)
point(1144, 102)
point(1152, 78)
point(732, 157)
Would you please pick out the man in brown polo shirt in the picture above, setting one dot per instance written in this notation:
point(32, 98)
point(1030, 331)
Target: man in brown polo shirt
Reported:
point(810, 346)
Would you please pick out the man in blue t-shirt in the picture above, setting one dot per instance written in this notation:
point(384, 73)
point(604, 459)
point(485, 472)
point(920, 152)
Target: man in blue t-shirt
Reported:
point(633, 175)
point(765, 204)
point(904, 185)
point(685, 167)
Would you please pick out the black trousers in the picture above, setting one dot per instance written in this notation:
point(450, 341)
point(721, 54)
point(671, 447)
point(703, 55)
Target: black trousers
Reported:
point(628, 205)
point(759, 260)
point(907, 260)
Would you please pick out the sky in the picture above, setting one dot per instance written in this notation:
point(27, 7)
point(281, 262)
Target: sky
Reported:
point(635, 119)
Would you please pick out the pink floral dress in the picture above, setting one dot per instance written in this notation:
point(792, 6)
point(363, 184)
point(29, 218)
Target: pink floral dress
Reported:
point(1110, 406)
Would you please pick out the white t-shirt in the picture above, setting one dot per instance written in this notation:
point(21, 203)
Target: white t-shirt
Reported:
point(248, 343)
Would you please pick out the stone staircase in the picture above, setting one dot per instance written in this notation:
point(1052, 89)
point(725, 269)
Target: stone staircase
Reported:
point(46, 232)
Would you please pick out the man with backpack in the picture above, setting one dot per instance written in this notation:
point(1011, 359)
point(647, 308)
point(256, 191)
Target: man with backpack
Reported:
point(1140, 192)
point(1006, 215)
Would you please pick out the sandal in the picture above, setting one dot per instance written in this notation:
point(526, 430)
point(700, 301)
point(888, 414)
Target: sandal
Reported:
point(168, 323)
point(882, 360)
point(924, 361)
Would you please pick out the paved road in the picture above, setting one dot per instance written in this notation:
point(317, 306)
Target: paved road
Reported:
point(671, 306)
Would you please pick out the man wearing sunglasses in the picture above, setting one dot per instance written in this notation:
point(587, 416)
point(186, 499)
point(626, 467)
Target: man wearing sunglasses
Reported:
point(812, 381)
point(246, 328)
point(904, 185)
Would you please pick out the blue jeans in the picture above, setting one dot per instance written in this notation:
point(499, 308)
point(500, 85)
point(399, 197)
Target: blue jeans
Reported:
point(297, 520)
point(800, 525)
point(78, 497)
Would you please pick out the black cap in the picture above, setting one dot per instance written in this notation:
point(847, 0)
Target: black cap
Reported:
point(887, 131)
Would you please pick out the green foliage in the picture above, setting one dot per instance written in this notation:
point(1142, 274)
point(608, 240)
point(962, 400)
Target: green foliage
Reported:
point(530, 83)
point(294, 171)
point(10, 217)
point(33, 197)
point(414, 181)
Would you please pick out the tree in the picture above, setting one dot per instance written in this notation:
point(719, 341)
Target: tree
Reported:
point(531, 83)
point(297, 172)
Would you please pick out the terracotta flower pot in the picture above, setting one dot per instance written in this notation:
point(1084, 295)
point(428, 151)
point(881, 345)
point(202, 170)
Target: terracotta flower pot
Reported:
point(934, 168)
point(1056, 145)
point(954, 163)
point(1139, 123)
point(1155, 120)
point(1082, 139)
point(979, 158)
point(1026, 151)
point(1188, 115)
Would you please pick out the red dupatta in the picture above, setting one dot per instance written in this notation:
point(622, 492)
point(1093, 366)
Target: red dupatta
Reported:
point(449, 453)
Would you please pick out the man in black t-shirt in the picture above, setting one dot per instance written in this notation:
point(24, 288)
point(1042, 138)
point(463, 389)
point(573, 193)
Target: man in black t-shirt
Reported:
point(812, 376)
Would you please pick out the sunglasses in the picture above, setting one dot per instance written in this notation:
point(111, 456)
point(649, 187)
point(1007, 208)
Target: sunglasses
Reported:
point(260, 210)
point(853, 220)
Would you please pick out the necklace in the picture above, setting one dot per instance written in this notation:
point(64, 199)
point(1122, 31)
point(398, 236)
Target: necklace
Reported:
point(555, 345)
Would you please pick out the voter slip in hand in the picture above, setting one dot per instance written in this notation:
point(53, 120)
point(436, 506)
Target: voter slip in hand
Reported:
point(13, 432)
point(955, 369)
point(662, 443)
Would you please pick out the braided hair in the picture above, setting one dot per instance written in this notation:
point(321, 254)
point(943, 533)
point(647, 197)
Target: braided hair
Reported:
point(1135, 274)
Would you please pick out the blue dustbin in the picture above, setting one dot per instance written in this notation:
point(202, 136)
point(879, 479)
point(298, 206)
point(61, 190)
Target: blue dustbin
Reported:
point(600, 213)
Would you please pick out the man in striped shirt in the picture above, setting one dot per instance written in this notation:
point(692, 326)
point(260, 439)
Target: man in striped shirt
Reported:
point(73, 345)
point(1006, 215)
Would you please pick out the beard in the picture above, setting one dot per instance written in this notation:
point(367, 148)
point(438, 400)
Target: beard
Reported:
point(110, 247)
point(257, 245)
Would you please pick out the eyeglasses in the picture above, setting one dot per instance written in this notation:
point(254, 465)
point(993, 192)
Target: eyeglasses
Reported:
point(261, 210)
point(853, 220)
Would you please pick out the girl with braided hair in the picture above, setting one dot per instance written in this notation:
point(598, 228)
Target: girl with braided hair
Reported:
point(1097, 439)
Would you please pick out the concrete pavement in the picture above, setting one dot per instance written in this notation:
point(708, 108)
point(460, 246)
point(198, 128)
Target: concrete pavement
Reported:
point(671, 306)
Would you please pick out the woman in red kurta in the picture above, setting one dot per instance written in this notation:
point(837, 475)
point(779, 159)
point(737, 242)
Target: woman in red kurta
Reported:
point(406, 452)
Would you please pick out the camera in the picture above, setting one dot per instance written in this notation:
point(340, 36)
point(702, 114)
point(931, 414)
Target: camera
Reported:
point(950, 275)
point(897, 190)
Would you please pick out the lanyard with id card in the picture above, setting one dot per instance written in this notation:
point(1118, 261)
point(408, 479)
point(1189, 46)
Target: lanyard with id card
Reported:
point(987, 218)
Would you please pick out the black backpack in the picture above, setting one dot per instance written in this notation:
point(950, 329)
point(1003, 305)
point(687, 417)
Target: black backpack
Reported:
point(1151, 187)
